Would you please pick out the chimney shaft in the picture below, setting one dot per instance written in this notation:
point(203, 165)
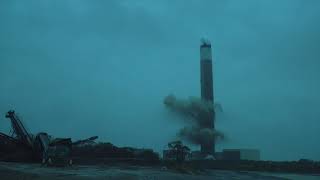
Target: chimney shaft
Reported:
point(207, 90)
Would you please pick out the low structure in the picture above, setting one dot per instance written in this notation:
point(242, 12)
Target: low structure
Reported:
point(196, 155)
point(241, 154)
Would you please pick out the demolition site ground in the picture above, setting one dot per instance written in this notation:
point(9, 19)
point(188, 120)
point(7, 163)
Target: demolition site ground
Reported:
point(18, 171)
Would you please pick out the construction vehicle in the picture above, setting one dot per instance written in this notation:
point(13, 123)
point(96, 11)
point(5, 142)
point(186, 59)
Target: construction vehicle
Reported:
point(59, 151)
point(19, 130)
point(23, 146)
point(19, 146)
point(85, 141)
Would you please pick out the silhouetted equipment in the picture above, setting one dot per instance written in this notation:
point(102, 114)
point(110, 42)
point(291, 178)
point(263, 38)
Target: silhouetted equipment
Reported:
point(19, 130)
point(207, 94)
point(23, 147)
point(59, 152)
point(10, 148)
point(41, 145)
point(37, 147)
point(79, 142)
point(5, 139)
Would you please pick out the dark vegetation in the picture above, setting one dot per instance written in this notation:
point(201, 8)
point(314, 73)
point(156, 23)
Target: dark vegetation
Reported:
point(178, 151)
point(107, 152)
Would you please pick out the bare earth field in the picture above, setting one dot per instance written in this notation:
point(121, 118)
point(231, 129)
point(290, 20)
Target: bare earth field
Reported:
point(18, 171)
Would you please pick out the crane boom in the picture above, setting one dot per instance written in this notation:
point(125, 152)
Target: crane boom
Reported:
point(85, 140)
point(19, 129)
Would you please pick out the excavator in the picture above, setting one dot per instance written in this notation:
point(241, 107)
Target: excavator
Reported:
point(23, 146)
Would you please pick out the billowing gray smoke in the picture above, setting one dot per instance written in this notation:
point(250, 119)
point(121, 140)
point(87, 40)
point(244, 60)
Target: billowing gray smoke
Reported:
point(195, 111)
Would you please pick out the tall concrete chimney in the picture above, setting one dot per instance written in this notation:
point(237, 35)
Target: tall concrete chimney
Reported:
point(207, 91)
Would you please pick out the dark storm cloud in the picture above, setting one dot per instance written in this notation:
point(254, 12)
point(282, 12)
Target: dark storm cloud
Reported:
point(82, 68)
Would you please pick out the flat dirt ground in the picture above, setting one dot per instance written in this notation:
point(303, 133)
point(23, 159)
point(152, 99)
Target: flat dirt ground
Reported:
point(18, 171)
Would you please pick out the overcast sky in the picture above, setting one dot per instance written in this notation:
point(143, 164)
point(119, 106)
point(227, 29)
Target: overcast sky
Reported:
point(79, 68)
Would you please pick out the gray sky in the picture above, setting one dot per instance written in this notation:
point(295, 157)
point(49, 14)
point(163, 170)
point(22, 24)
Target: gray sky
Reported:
point(79, 68)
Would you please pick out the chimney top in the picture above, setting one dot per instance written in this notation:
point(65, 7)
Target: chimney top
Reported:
point(205, 43)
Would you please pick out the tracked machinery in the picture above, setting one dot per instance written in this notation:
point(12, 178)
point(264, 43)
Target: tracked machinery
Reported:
point(22, 146)
point(59, 151)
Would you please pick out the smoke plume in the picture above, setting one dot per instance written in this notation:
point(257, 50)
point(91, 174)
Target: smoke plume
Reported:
point(197, 113)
